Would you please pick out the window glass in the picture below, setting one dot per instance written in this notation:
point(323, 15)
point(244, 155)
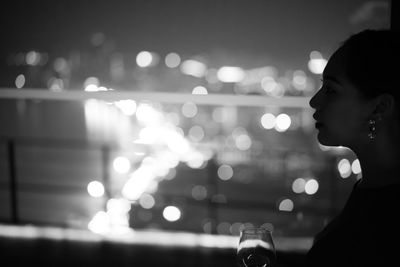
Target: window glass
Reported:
point(172, 116)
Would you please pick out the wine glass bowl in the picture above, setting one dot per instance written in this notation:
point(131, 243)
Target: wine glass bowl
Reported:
point(256, 248)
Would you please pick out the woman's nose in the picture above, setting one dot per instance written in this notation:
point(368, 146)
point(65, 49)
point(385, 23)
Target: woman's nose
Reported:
point(314, 100)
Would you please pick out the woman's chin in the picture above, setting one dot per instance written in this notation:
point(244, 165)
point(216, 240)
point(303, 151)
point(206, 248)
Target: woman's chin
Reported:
point(323, 140)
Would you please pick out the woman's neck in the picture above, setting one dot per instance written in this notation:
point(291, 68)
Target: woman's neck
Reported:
point(380, 163)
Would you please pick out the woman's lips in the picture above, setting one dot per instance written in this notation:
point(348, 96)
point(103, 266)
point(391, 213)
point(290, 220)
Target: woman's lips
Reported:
point(318, 125)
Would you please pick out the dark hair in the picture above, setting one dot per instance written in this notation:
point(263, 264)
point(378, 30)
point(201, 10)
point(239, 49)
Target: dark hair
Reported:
point(373, 62)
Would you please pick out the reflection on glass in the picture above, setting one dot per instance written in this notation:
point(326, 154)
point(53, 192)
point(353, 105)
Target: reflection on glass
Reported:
point(256, 248)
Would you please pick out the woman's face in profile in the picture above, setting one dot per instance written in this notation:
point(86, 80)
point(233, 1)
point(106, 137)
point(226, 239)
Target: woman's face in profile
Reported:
point(341, 113)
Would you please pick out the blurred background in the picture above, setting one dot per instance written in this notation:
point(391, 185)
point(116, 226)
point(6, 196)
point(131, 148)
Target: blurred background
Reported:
point(170, 122)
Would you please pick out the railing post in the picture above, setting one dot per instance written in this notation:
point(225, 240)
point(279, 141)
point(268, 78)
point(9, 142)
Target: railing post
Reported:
point(13, 181)
point(105, 161)
point(213, 190)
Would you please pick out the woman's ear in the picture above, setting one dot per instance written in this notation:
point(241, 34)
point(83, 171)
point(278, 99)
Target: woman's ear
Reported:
point(385, 106)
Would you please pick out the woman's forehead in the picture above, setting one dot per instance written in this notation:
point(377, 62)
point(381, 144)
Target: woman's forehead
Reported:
point(335, 72)
point(336, 62)
point(335, 68)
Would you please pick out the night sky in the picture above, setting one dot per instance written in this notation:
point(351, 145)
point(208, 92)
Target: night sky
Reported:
point(285, 30)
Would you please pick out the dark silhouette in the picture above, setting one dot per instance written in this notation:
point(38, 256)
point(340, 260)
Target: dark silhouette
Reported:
point(358, 107)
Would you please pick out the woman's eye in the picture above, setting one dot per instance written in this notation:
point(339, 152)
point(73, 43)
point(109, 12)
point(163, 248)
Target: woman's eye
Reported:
point(329, 89)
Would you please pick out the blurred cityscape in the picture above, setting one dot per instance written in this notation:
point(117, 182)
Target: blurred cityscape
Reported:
point(110, 166)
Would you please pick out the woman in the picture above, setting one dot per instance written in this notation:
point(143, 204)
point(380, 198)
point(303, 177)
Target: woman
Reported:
point(358, 107)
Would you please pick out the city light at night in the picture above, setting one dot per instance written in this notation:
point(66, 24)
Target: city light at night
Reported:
point(165, 128)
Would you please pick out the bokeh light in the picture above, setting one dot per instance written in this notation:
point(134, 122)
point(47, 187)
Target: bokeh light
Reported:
point(299, 80)
point(196, 133)
point(100, 224)
point(195, 160)
point(243, 141)
point(148, 115)
point(32, 58)
point(127, 107)
point(147, 201)
point(225, 172)
point(189, 109)
point(61, 65)
point(223, 228)
point(283, 122)
point(286, 205)
point(121, 165)
point(171, 213)
point(207, 226)
point(268, 121)
point(199, 192)
point(228, 74)
point(235, 228)
point(144, 59)
point(356, 167)
point(91, 81)
point(20, 81)
point(311, 187)
point(118, 205)
point(298, 185)
point(172, 60)
point(317, 62)
point(55, 85)
point(344, 168)
point(199, 90)
point(193, 68)
point(95, 189)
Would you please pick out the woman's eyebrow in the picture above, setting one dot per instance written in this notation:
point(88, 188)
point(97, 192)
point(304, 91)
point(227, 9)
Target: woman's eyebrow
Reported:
point(332, 79)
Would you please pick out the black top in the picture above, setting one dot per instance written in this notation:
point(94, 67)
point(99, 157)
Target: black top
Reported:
point(365, 233)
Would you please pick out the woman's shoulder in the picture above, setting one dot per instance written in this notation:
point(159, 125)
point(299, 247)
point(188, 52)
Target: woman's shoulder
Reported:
point(385, 191)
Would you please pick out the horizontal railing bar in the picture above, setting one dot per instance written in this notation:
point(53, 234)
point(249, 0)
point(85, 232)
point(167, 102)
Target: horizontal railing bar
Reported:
point(164, 97)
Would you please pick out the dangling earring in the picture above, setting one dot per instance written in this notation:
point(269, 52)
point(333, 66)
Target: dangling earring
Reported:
point(372, 129)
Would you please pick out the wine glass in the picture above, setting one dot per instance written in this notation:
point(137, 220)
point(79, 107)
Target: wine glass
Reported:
point(256, 248)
